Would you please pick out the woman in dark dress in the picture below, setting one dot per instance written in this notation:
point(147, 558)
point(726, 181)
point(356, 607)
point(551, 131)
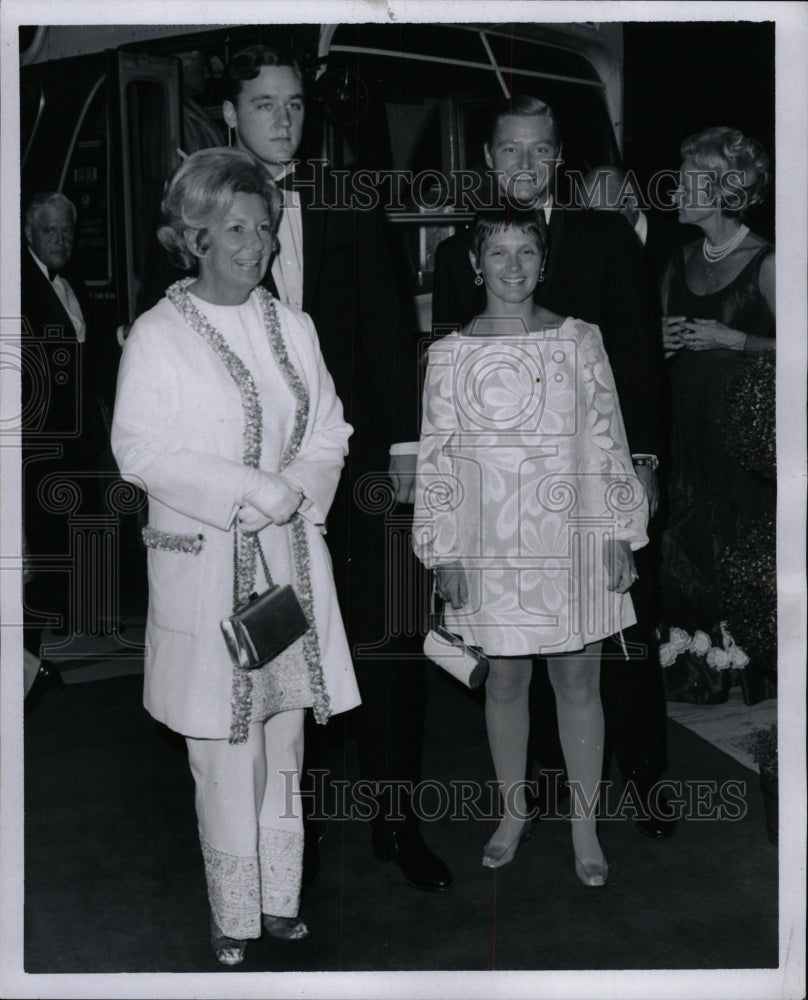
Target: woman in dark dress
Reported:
point(719, 304)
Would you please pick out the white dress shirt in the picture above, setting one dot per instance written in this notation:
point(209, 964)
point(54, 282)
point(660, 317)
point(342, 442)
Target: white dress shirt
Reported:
point(287, 267)
point(67, 297)
point(641, 228)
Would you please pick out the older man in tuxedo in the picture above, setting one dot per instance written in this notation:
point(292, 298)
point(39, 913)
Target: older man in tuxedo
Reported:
point(334, 263)
point(58, 430)
point(594, 271)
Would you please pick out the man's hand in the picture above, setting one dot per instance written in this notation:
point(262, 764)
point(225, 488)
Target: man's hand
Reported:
point(650, 483)
point(402, 476)
point(622, 572)
point(451, 584)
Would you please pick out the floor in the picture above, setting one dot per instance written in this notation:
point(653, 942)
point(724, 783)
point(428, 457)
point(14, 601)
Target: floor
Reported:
point(114, 881)
point(725, 725)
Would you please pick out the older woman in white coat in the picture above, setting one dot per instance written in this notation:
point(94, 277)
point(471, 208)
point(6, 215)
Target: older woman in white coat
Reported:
point(228, 418)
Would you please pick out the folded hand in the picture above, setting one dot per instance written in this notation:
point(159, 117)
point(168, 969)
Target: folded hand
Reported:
point(452, 585)
point(709, 334)
point(672, 327)
point(251, 519)
point(269, 494)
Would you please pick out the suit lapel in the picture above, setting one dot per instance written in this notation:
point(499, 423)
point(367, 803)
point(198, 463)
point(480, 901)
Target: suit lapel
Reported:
point(313, 223)
point(47, 303)
point(556, 233)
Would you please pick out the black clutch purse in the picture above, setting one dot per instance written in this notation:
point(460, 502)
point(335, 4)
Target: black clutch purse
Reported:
point(262, 628)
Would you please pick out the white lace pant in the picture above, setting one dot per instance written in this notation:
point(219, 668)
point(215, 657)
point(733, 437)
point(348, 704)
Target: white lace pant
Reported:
point(251, 822)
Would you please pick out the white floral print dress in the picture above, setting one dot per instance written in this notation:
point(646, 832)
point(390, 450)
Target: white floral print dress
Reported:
point(524, 475)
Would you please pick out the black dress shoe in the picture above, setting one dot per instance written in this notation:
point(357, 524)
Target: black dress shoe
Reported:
point(421, 867)
point(311, 863)
point(657, 817)
point(47, 677)
point(314, 835)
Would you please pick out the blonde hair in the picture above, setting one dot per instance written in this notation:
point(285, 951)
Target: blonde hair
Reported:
point(739, 163)
point(200, 192)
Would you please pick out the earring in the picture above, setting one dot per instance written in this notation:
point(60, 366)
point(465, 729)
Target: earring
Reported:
point(478, 279)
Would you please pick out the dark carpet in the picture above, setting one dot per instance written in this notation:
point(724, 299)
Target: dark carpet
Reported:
point(114, 879)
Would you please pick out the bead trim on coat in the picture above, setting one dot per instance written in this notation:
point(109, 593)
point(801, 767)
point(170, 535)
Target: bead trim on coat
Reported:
point(172, 541)
point(300, 543)
point(246, 543)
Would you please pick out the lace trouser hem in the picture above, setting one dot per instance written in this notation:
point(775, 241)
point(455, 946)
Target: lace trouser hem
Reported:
point(233, 892)
point(280, 856)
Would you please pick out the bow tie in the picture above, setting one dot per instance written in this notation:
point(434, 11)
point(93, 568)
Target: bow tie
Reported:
point(286, 183)
point(52, 275)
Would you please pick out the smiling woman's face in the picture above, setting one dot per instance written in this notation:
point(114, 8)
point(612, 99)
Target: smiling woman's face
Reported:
point(510, 261)
point(239, 246)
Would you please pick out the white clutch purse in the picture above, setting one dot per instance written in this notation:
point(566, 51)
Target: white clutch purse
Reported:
point(468, 664)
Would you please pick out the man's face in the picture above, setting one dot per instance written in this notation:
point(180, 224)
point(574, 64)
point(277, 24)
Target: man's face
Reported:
point(50, 236)
point(268, 116)
point(522, 151)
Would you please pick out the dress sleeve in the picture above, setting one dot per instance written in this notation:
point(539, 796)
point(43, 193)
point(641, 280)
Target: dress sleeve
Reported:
point(606, 447)
point(437, 493)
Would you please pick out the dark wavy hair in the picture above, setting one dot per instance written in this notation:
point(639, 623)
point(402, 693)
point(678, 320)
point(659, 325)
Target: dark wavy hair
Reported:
point(200, 192)
point(246, 65)
point(740, 164)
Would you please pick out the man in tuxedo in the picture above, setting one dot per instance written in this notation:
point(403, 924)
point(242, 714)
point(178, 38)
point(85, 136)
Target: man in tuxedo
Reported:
point(58, 433)
point(594, 271)
point(334, 264)
point(609, 188)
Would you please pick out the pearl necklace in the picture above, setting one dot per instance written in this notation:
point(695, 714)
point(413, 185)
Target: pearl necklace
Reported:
point(714, 253)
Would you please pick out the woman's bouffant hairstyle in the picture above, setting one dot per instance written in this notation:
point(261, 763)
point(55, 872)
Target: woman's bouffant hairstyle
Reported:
point(200, 192)
point(490, 222)
point(742, 166)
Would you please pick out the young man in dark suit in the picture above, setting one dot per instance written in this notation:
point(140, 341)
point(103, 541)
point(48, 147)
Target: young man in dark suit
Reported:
point(334, 263)
point(594, 271)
